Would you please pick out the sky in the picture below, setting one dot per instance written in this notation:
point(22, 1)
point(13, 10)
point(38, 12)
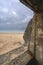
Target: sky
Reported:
point(14, 15)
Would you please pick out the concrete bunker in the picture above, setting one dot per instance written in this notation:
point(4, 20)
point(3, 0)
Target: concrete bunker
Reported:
point(33, 34)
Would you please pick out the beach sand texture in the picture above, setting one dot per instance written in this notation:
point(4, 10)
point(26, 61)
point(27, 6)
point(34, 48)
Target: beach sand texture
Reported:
point(10, 41)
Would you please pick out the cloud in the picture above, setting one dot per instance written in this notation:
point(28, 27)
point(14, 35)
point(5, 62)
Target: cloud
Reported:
point(8, 23)
point(2, 9)
point(14, 13)
point(5, 10)
point(27, 19)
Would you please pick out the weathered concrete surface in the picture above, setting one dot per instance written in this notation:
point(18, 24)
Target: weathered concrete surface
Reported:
point(34, 36)
point(35, 5)
point(34, 31)
point(21, 59)
point(15, 56)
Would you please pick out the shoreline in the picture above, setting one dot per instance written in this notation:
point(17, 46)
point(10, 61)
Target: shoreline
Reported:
point(12, 32)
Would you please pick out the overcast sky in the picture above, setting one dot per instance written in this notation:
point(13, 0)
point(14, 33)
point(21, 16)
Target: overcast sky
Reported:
point(12, 13)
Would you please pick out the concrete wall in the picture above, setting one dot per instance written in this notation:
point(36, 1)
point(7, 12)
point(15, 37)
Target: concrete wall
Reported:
point(34, 38)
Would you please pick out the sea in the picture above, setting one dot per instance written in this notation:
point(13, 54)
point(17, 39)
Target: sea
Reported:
point(11, 31)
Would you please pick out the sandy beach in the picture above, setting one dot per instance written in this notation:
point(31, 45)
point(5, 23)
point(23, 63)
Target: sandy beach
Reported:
point(9, 41)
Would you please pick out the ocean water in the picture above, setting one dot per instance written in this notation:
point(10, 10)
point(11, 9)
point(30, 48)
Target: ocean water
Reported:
point(11, 31)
